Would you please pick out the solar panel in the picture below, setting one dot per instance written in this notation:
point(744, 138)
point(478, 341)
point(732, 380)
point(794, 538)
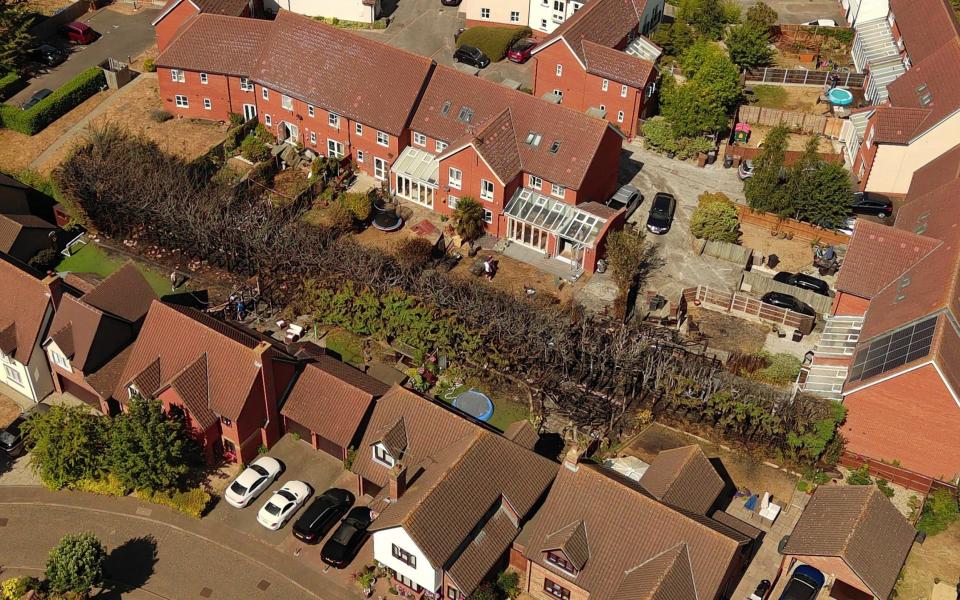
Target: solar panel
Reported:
point(893, 350)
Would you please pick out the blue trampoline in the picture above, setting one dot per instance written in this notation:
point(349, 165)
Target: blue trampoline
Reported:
point(475, 403)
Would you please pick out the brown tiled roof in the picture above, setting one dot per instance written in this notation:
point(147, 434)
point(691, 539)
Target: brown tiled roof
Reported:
point(859, 525)
point(604, 22)
point(926, 25)
point(496, 142)
point(12, 225)
point(451, 93)
point(64, 338)
point(147, 381)
point(469, 569)
point(105, 380)
point(343, 72)
point(600, 210)
point(936, 75)
point(125, 293)
point(616, 65)
point(877, 255)
point(26, 299)
point(638, 530)
point(175, 337)
point(683, 477)
point(191, 385)
point(897, 125)
point(331, 398)
point(667, 576)
point(394, 439)
point(572, 541)
point(233, 8)
point(218, 44)
point(523, 433)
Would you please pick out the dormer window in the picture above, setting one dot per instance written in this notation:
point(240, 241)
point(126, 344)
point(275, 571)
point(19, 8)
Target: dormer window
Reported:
point(559, 561)
point(132, 392)
point(381, 455)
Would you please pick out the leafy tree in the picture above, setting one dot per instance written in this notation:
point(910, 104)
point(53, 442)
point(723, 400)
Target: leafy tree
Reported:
point(698, 55)
point(359, 205)
point(749, 46)
point(762, 16)
point(148, 449)
point(939, 511)
point(708, 17)
point(508, 583)
point(763, 190)
point(827, 202)
point(15, 38)
point(716, 221)
point(703, 103)
point(76, 564)
point(626, 254)
point(469, 219)
point(67, 444)
point(674, 38)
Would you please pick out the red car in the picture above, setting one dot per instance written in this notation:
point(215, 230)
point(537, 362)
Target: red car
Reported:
point(79, 33)
point(520, 51)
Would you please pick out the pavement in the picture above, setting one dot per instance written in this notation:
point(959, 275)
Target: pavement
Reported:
point(801, 11)
point(122, 36)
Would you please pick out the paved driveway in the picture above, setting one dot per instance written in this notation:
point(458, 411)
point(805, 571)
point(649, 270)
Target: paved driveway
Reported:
point(801, 11)
point(122, 36)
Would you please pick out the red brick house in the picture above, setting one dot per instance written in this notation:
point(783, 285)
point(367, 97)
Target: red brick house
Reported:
point(226, 380)
point(89, 336)
point(599, 61)
point(330, 405)
point(177, 13)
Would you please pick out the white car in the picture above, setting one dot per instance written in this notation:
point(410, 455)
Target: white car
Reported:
point(821, 23)
point(283, 503)
point(254, 479)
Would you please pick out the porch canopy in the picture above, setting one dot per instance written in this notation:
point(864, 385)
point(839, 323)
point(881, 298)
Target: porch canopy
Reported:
point(557, 217)
point(418, 165)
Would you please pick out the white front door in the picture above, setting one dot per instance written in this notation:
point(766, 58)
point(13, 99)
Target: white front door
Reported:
point(379, 168)
point(289, 133)
point(249, 112)
point(527, 235)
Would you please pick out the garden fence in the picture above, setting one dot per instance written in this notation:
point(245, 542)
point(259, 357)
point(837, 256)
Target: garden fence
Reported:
point(734, 253)
point(804, 77)
point(759, 284)
point(898, 475)
point(796, 121)
point(797, 229)
point(735, 302)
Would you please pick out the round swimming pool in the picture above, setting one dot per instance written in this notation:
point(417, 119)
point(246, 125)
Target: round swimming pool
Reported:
point(475, 403)
point(840, 97)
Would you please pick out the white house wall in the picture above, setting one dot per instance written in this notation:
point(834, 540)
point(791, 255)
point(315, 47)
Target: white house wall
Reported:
point(423, 575)
point(865, 10)
point(894, 166)
point(499, 11)
point(346, 10)
point(547, 15)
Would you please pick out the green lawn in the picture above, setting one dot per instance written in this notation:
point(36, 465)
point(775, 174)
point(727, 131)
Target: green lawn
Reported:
point(93, 259)
point(505, 411)
point(346, 345)
point(769, 96)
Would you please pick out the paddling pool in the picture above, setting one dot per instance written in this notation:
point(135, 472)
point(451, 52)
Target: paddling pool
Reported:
point(840, 97)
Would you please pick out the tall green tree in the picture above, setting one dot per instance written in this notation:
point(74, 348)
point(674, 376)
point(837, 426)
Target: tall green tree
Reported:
point(468, 217)
point(674, 37)
point(698, 55)
point(67, 444)
point(764, 191)
point(15, 22)
point(827, 202)
point(749, 46)
point(703, 103)
point(708, 17)
point(76, 564)
point(761, 15)
point(148, 449)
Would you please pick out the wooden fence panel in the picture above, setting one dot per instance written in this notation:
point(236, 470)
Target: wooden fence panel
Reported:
point(805, 122)
point(898, 475)
point(804, 77)
point(734, 253)
point(759, 284)
point(734, 302)
point(799, 229)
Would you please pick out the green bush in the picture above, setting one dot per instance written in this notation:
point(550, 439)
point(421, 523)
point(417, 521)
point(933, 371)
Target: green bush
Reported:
point(16, 587)
point(716, 221)
point(149, 66)
point(254, 150)
point(263, 134)
point(660, 136)
point(54, 106)
point(45, 260)
point(494, 41)
point(884, 486)
point(359, 205)
point(192, 502)
point(860, 476)
point(9, 84)
point(939, 511)
point(782, 370)
point(106, 486)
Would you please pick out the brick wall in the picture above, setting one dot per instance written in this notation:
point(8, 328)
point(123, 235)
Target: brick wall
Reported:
point(167, 28)
point(217, 90)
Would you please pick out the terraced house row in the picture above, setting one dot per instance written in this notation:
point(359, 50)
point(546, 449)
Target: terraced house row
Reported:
point(432, 133)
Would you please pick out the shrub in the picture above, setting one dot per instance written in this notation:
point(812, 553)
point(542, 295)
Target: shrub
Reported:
point(192, 502)
point(67, 444)
point(468, 216)
point(105, 486)
point(494, 41)
point(160, 116)
point(749, 46)
point(413, 253)
point(939, 511)
point(57, 104)
point(253, 149)
point(45, 260)
point(149, 65)
point(782, 370)
point(884, 486)
point(16, 587)
point(236, 119)
point(147, 447)
point(76, 564)
point(359, 205)
point(761, 15)
point(716, 221)
point(508, 583)
point(264, 134)
point(9, 84)
point(660, 136)
point(860, 476)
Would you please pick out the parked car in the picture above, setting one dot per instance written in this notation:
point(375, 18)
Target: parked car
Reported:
point(35, 98)
point(317, 520)
point(661, 213)
point(470, 55)
point(11, 439)
point(521, 50)
point(254, 479)
point(283, 503)
point(79, 33)
point(869, 204)
point(788, 302)
point(821, 23)
point(628, 198)
point(47, 55)
point(745, 170)
point(804, 282)
point(450, 2)
point(804, 584)
point(346, 541)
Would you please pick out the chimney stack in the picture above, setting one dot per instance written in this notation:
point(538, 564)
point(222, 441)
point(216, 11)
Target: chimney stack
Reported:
point(571, 459)
point(398, 482)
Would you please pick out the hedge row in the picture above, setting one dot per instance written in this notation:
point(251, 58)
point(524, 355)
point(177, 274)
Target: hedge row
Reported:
point(9, 84)
point(494, 41)
point(54, 106)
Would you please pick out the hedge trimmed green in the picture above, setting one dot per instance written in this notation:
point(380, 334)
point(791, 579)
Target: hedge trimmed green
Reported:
point(9, 84)
point(494, 41)
point(54, 106)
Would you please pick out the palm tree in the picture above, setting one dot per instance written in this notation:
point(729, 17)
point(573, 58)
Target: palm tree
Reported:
point(469, 219)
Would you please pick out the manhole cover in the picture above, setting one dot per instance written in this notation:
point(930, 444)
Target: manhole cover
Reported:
point(3, 522)
point(263, 585)
point(206, 593)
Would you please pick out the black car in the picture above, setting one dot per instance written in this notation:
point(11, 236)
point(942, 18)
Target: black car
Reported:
point(804, 282)
point(804, 584)
point(450, 2)
point(35, 98)
point(11, 440)
point(661, 213)
point(327, 509)
point(470, 55)
point(345, 542)
point(788, 302)
point(628, 198)
point(48, 55)
point(870, 204)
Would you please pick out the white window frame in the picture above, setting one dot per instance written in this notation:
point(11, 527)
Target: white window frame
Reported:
point(623, 91)
point(383, 139)
point(484, 13)
point(182, 101)
point(514, 16)
point(265, 93)
point(455, 178)
point(334, 148)
point(333, 120)
point(387, 460)
point(557, 190)
point(358, 128)
point(203, 78)
point(13, 375)
point(60, 359)
point(559, 70)
point(313, 138)
point(441, 146)
point(359, 156)
point(620, 116)
point(246, 85)
point(870, 137)
point(605, 85)
point(543, 22)
point(383, 166)
point(178, 75)
point(267, 120)
point(603, 108)
point(207, 104)
point(452, 202)
point(310, 110)
point(419, 139)
point(286, 102)
point(487, 216)
point(487, 190)
point(536, 182)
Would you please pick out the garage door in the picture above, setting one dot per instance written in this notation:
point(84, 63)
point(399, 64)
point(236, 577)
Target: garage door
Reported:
point(329, 447)
point(79, 392)
point(297, 428)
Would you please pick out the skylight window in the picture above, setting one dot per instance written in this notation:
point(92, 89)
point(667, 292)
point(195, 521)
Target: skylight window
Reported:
point(555, 147)
point(534, 138)
point(445, 109)
point(466, 114)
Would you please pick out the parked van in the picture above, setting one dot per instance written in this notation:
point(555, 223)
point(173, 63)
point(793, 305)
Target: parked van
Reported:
point(79, 33)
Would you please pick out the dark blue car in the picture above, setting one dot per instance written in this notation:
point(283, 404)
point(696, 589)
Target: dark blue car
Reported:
point(804, 584)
